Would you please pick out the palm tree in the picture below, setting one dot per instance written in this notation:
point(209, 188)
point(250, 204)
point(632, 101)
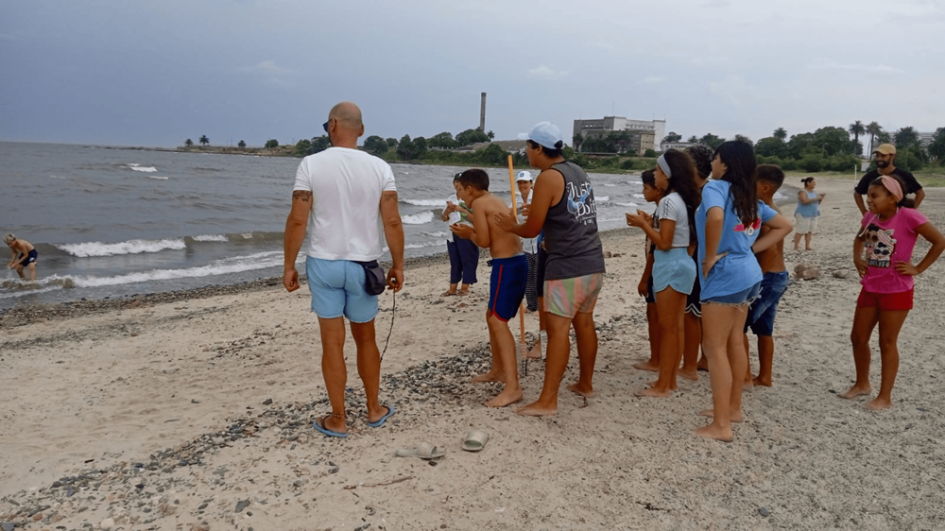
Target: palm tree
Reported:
point(204, 140)
point(188, 142)
point(241, 144)
point(907, 137)
point(856, 129)
point(780, 133)
point(873, 129)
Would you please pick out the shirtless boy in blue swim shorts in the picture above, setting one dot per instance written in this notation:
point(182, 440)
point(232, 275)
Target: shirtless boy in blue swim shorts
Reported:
point(507, 285)
point(24, 256)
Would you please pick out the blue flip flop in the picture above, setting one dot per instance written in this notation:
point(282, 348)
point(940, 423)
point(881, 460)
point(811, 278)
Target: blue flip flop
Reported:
point(380, 422)
point(326, 431)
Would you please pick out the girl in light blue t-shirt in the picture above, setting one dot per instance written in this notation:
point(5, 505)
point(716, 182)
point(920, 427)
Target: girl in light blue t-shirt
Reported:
point(728, 224)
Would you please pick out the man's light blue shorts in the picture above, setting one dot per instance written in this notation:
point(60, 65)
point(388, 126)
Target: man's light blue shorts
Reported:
point(337, 288)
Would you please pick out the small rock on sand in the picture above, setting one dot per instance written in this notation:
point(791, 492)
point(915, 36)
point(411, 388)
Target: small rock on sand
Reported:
point(806, 271)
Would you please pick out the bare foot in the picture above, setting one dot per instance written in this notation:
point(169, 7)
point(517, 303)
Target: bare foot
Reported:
point(588, 393)
point(488, 377)
point(448, 293)
point(534, 353)
point(736, 417)
point(536, 410)
point(689, 375)
point(463, 292)
point(646, 366)
point(856, 391)
point(877, 404)
point(506, 398)
point(758, 380)
point(714, 432)
point(653, 392)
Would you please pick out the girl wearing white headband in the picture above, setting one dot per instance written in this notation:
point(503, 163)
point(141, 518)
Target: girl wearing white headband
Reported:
point(673, 269)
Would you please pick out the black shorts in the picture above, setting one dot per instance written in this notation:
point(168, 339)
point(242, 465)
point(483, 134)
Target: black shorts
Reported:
point(650, 295)
point(693, 306)
point(30, 258)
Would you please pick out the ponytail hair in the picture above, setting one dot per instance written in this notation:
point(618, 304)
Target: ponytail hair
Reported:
point(739, 158)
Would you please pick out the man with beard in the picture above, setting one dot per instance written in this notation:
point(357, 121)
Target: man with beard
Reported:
point(885, 162)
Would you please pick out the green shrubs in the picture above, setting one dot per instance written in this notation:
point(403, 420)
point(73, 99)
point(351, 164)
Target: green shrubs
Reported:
point(811, 163)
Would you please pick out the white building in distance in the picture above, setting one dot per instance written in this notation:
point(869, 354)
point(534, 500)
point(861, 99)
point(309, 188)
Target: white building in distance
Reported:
point(646, 134)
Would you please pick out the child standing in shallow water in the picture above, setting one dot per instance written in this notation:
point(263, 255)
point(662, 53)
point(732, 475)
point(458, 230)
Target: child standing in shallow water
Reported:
point(889, 231)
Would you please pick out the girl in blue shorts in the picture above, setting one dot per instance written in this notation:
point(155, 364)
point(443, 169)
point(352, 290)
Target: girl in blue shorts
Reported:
point(673, 269)
point(728, 223)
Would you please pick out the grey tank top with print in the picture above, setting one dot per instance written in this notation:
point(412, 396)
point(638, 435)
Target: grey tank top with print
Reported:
point(571, 239)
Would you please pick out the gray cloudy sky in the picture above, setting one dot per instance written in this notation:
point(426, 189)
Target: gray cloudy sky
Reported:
point(153, 73)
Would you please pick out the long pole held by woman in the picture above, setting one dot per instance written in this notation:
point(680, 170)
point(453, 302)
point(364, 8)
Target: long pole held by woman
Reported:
point(521, 310)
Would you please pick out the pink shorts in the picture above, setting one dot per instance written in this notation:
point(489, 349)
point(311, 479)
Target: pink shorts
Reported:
point(568, 296)
point(888, 302)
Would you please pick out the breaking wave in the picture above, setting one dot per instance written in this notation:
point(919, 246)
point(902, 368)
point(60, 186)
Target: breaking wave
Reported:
point(418, 219)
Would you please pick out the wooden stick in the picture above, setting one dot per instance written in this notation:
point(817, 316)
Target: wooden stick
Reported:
point(521, 307)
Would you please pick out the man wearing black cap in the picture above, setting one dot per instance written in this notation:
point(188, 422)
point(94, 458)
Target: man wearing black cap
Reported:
point(885, 165)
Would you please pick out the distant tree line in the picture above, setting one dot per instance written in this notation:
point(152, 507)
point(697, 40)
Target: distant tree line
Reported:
point(831, 148)
point(826, 149)
point(404, 149)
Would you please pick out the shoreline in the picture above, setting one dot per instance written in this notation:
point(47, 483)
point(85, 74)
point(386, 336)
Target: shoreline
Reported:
point(26, 313)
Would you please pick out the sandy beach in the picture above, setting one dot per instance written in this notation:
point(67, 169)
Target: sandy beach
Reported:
point(194, 413)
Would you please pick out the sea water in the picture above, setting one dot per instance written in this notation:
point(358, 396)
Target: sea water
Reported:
point(112, 222)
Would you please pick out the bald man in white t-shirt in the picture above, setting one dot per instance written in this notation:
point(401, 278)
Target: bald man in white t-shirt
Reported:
point(347, 196)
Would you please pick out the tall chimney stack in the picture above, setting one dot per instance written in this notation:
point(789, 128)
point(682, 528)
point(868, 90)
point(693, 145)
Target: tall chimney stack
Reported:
point(482, 114)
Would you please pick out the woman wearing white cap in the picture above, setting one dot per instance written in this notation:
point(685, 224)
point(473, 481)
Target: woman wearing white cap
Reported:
point(563, 209)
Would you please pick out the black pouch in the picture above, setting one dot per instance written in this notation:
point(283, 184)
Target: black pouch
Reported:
point(374, 279)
